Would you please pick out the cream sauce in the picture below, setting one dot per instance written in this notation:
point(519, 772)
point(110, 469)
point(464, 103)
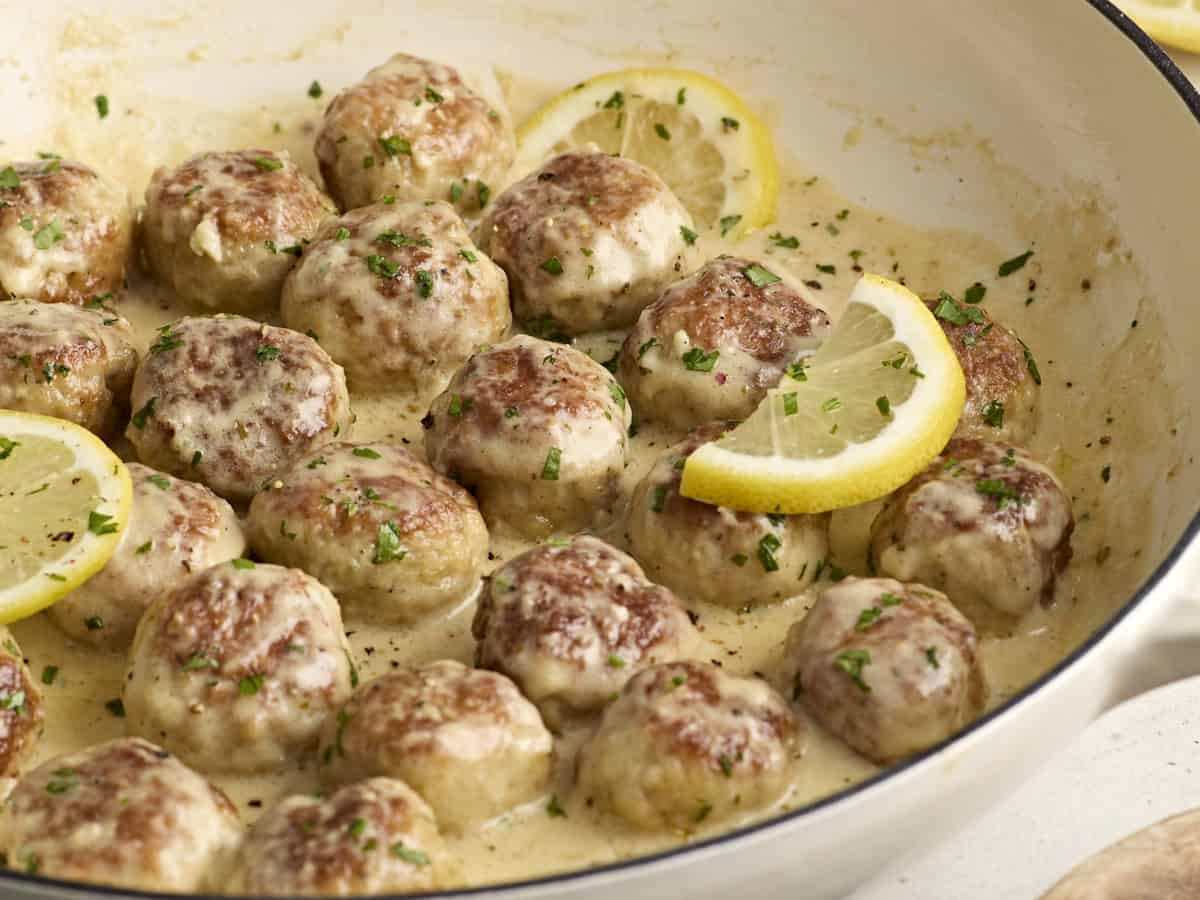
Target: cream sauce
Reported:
point(528, 841)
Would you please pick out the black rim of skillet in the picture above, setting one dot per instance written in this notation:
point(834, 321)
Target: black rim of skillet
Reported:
point(1191, 98)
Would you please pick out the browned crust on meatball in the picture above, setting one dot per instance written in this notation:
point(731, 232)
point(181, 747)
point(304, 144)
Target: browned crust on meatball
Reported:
point(205, 382)
point(995, 367)
point(22, 717)
point(47, 191)
point(674, 711)
point(90, 783)
point(554, 615)
point(720, 305)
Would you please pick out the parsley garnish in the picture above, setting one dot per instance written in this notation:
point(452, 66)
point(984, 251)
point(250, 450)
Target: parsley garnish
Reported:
point(100, 523)
point(760, 277)
point(250, 685)
point(364, 453)
point(974, 294)
point(268, 164)
point(728, 124)
point(767, 545)
point(551, 466)
point(994, 487)
point(409, 855)
point(315, 91)
point(791, 405)
point(387, 545)
point(424, 280)
point(661, 130)
point(554, 809)
point(658, 499)
point(266, 352)
point(9, 178)
point(241, 563)
point(116, 707)
point(949, 310)
point(697, 360)
point(49, 235)
point(645, 348)
point(728, 223)
point(381, 267)
point(49, 673)
point(1012, 265)
point(394, 145)
point(791, 242)
point(159, 481)
point(1031, 364)
point(795, 371)
point(689, 236)
point(618, 394)
point(851, 662)
point(993, 414)
point(138, 419)
point(101, 102)
point(166, 340)
point(553, 266)
point(7, 446)
point(884, 405)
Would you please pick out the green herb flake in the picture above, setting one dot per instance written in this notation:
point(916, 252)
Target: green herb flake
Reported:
point(689, 236)
point(196, 663)
point(795, 371)
point(145, 548)
point(1003, 493)
point(364, 453)
point(789, 242)
point(767, 545)
point(645, 347)
point(394, 145)
point(887, 598)
point(9, 178)
point(138, 419)
point(456, 192)
point(1012, 265)
point(241, 563)
point(1031, 364)
point(616, 101)
point(697, 360)
point(409, 855)
point(618, 394)
point(949, 310)
point(831, 405)
point(100, 523)
point(49, 673)
point(661, 130)
point(52, 369)
point(7, 446)
point(250, 685)
point(315, 90)
point(974, 294)
point(728, 223)
point(550, 468)
point(49, 235)
point(459, 405)
point(159, 481)
point(54, 576)
point(615, 662)
point(116, 707)
point(26, 223)
point(791, 404)
point(368, 162)
point(424, 280)
point(884, 405)
point(1106, 474)
point(483, 194)
point(268, 164)
point(552, 266)
point(101, 102)
point(931, 656)
point(387, 545)
point(759, 276)
point(728, 124)
point(867, 618)
point(852, 662)
point(702, 812)
point(658, 498)
point(826, 268)
point(166, 340)
point(468, 255)
point(554, 809)
point(993, 414)
point(266, 353)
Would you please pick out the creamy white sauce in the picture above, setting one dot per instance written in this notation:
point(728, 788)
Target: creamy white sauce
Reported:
point(528, 841)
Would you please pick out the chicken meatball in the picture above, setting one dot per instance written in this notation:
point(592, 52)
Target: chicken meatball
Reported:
point(223, 229)
point(374, 837)
point(685, 743)
point(237, 668)
point(539, 431)
point(571, 623)
point(1002, 377)
point(65, 232)
point(711, 346)
point(63, 361)
point(398, 295)
point(718, 555)
point(389, 536)
point(587, 241)
point(464, 739)
point(21, 713)
point(125, 814)
point(412, 129)
point(176, 528)
point(889, 668)
point(985, 523)
point(231, 402)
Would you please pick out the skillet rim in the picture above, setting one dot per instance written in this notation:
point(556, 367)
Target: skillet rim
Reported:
point(75, 890)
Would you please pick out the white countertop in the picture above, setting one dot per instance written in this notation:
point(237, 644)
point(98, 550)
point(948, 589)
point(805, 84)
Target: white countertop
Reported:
point(1135, 766)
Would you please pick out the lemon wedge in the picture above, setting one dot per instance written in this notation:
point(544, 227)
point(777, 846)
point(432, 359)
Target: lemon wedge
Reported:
point(66, 499)
point(869, 410)
point(696, 133)
point(1175, 23)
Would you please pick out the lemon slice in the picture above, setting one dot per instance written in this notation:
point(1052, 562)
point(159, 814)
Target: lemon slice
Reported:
point(66, 499)
point(696, 133)
point(1172, 22)
point(869, 410)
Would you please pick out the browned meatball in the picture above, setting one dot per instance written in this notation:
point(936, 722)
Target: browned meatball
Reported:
point(985, 523)
point(125, 814)
point(889, 668)
point(62, 361)
point(414, 130)
point(539, 431)
point(465, 739)
point(374, 837)
point(231, 402)
point(238, 667)
point(389, 536)
point(686, 744)
point(398, 294)
point(712, 344)
point(1001, 375)
point(21, 709)
point(224, 229)
point(718, 555)
point(65, 232)
point(571, 623)
point(176, 527)
point(587, 241)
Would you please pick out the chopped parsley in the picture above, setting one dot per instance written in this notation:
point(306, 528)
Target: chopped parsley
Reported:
point(459, 405)
point(266, 352)
point(791, 405)
point(199, 662)
point(1012, 265)
point(887, 598)
point(381, 267)
point(826, 268)
point(268, 164)
point(830, 405)
point(728, 223)
point(645, 348)
point(1031, 364)
point(931, 656)
point(618, 394)
point(49, 673)
point(884, 405)
point(615, 662)
point(1106, 474)
point(409, 855)
point(101, 102)
point(790, 242)
point(726, 765)
point(795, 371)
point(433, 96)
point(315, 91)
point(49, 235)
point(616, 101)
point(394, 145)
point(852, 662)
point(366, 453)
point(250, 685)
point(241, 563)
point(730, 124)
point(661, 130)
point(159, 481)
point(166, 340)
point(145, 548)
point(342, 234)
point(697, 360)
point(483, 192)
point(689, 236)
point(51, 369)
point(760, 277)
point(468, 255)
point(424, 280)
point(739, 559)
point(949, 310)
point(554, 809)
point(551, 466)
point(767, 545)
point(974, 294)
point(998, 490)
point(658, 499)
point(552, 266)
point(867, 618)
point(100, 523)
point(9, 178)
point(116, 707)
point(993, 414)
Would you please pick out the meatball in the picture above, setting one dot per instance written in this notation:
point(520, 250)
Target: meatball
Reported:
point(21, 711)
point(231, 402)
point(66, 362)
point(223, 229)
point(712, 344)
point(412, 129)
point(985, 523)
point(539, 431)
point(390, 537)
point(889, 668)
point(237, 667)
point(398, 295)
point(587, 241)
point(686, 743)
point(65, 232)
point(571, 623)
point(374, 837)
point(718, 555)
point(465, 739)
point(1002, 378)
point(176, 528)
point(123, 813)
